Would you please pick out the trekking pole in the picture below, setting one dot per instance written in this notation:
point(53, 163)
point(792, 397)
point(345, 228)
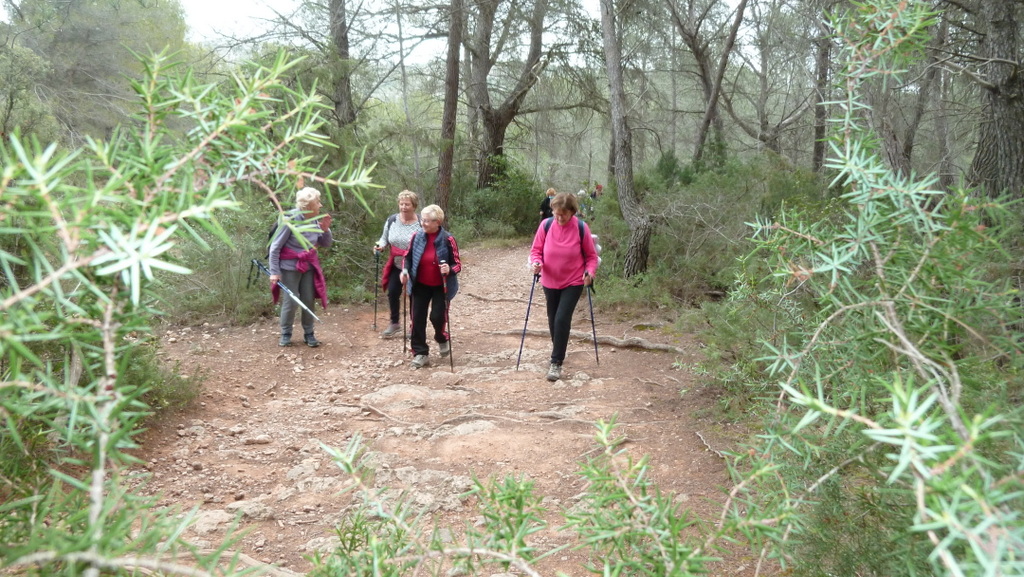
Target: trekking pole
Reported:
point(593, 327)
point(529, 303)
point(286, 290)
point(376, 285)
point(405, 323)
point(253, 274)
point(447, 323)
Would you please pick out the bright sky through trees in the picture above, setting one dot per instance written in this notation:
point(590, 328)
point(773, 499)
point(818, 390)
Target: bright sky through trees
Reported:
point(208, 18)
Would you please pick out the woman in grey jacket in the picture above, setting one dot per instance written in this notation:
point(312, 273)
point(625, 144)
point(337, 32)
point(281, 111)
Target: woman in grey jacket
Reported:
point(295, 262)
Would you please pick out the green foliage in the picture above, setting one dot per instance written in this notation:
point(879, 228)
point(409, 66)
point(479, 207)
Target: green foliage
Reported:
point(626, 525)
point(89, 50)
point(22, 110)
point(508, 208)
point(163, 387)
point(700, 228)
point(224, 285)
point(671, 174)
point(86, 241)
point(864, 519)
point(889, 340)
point(511, 512)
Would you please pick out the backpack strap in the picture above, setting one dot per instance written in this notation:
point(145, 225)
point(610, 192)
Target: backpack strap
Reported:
point(274, 228)
point(391, 220)
point(387, 229)
point(550, 219)
point(579, 221)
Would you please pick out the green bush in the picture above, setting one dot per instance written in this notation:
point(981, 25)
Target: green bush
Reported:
point(97, 231)
point(889, 344)
point(165, 387)
point(701, 229)
point(622, 521)
point(507, 209)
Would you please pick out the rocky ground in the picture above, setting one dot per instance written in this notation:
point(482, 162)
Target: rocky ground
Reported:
point(252, 444)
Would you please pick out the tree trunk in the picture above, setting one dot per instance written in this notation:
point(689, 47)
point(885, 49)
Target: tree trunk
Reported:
point(344, 107)
point(451, 104)
point(998, 165)
point(711, 116)
point(696, 41)
point(495, 120)
point(821, 65)
point(633, 210)
point(405, 92)
point(947, 171)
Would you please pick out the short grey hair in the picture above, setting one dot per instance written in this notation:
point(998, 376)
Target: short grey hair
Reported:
point(305, 197)
point(433, 212)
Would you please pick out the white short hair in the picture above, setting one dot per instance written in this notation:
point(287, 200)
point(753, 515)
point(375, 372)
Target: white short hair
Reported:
point(433, 212)
point(305, 197)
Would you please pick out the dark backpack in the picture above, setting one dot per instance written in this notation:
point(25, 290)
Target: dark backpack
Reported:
point(273, 230)
point(547, 227)
point(579, 221)
point(391, 220)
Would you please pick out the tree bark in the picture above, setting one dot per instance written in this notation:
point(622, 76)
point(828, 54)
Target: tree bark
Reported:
point(822, 82)
point(344, 107)
point(998, 165)
point(405, 92)
point(495, 120)
point(694, 38)
point(633, 211)
point(451, 103)
point(711, 113)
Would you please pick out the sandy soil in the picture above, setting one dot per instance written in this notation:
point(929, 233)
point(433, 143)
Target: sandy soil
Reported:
point(252, 442)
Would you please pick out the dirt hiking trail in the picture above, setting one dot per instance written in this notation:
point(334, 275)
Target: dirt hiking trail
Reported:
point(251, 443)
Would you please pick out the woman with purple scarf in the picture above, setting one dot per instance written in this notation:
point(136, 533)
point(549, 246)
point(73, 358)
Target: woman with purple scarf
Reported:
point(295, 262)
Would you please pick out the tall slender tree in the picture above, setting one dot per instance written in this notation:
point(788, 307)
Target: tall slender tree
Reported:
point(451, 102)
point(633, 209)
point(711, 112)
point(344, 107)
point(782, 91)
point(483, 50)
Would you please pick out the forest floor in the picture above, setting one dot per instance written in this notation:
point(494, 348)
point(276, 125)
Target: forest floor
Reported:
point(252, 442)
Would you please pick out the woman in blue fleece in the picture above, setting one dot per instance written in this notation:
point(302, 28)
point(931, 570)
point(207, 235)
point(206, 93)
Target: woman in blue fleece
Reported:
point(432, 262)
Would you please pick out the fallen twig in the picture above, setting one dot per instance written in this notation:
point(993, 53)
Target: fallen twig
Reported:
point(375, 411)
point(628, 342)
point(701, 437)
point(476, 417)
point(497, 300)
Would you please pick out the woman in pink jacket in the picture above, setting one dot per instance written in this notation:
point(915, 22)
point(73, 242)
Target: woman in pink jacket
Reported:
point(564, 256)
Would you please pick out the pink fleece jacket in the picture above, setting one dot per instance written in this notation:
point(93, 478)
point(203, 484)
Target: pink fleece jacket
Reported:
point(558, 252)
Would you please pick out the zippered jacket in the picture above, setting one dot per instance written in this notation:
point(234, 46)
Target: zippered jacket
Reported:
point(447, 250)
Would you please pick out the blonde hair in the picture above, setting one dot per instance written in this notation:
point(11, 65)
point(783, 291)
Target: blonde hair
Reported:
point(551, 192)
point(433, 212)
point(305, 197)
point(410, 196)
point(565, 201)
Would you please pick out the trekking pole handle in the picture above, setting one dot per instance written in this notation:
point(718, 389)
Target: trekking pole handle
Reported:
point(443, 263)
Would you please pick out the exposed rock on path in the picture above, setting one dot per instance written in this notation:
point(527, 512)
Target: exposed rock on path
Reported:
point(252, 446)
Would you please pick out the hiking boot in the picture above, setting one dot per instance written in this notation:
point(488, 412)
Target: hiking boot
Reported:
point(311, 340)
point(286, 341)
point(554, 372)
point(420, 361)
point(391, 331)
point(446, 349)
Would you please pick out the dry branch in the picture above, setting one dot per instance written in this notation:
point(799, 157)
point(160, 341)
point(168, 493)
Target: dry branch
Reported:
point(497, 300)
point(628, 342)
